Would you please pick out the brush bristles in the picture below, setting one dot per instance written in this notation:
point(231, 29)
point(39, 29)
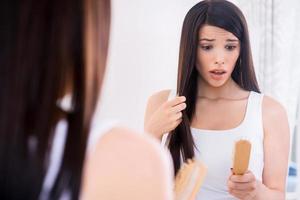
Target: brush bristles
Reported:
point(189, 179)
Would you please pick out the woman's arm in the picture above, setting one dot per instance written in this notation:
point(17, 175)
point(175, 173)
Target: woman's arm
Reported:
point(127, 166)
point(276, 155)
point(276, 151)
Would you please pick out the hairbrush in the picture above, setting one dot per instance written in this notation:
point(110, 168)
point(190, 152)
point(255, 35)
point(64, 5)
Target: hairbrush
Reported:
point(241, 157)
point(189, 179)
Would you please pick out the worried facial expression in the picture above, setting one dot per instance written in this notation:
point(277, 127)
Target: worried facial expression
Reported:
point(217, 53)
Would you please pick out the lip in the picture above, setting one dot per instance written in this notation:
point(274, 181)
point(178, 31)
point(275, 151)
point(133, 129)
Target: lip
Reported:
point(217, 74)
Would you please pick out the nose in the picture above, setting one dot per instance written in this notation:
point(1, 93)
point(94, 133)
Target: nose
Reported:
point(219, 58)
point(219, 62)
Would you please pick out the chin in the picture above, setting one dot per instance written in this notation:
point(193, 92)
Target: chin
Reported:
point(217, 84)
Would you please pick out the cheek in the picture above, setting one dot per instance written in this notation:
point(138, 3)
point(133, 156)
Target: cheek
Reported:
point(203, 61)
point(232, 59)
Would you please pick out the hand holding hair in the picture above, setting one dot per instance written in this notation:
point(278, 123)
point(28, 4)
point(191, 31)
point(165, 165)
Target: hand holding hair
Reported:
point(167, 117)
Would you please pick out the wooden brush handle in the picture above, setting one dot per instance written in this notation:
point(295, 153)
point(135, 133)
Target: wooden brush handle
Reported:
point(241, 157)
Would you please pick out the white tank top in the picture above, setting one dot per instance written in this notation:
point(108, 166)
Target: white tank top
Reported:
point(215, 149)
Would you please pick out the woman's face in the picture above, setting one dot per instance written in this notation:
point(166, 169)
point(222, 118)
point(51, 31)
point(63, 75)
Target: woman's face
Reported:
point(217, 53)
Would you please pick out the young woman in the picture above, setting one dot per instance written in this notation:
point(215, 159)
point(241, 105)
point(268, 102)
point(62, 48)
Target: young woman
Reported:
point(218, 103)
point(52, 50)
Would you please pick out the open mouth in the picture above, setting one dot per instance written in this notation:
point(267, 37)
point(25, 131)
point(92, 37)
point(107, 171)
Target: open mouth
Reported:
point(218, 72)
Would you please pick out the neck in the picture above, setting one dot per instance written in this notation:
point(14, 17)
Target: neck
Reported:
point(228, 90)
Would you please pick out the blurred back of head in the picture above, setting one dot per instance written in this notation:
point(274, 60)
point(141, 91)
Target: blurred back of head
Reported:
point(49, 48)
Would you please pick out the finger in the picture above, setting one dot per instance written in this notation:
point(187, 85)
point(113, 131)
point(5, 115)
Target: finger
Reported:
point(175, 101)
point(178, 116)
point(241, 186)
point(237, 196)
point(240, 194)
point(247, 177)
point(178, 108)
point(176, 123)
point(251, 195)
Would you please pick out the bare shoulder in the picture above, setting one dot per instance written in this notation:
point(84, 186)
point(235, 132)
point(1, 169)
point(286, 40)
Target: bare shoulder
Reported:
point(272, 108)
point(274, 114)
point(127, 165)
point(270, 104)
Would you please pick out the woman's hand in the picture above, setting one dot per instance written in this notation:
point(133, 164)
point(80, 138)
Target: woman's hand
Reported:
point(166, 118)
point(243, 187)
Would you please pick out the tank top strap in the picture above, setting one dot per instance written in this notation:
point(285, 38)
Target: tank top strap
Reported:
point(253, 117)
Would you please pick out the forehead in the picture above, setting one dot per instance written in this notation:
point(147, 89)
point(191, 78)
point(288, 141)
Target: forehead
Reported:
point(214, 32)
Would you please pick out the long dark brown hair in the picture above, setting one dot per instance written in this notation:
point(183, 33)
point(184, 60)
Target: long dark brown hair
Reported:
point(219, 13)
point(43, 52)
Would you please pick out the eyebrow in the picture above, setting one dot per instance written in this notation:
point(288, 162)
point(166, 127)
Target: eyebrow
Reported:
point(206, 39)
point(232, 40)
point(211, 40)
